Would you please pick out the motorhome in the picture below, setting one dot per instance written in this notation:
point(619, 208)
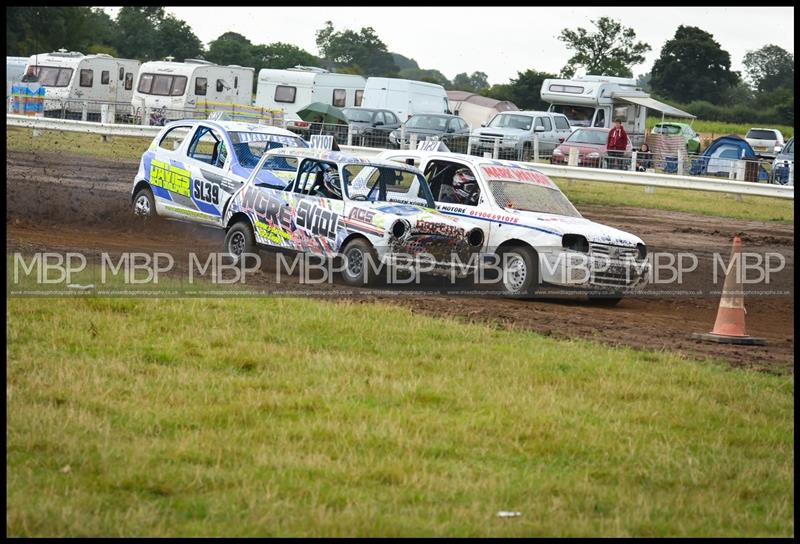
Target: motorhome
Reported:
point(405, 97)
point(15, 68)
point(595, 101)
point(295, 88)
point(71, 78)
point(179, 89)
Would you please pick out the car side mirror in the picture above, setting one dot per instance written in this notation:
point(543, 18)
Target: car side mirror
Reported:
point(451, 129)
point(538, 129)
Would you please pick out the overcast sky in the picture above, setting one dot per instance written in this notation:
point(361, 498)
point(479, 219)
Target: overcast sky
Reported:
point(499, 41)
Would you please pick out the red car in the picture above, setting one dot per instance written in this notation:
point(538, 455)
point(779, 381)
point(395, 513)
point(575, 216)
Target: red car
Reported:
point(591, 144)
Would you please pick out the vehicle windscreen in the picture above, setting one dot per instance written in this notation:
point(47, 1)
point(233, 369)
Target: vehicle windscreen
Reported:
point(761, 135)
point(386, 184)
point(522, 122)
point(530, 197)
point(162, 84)
point(357, 116)
point(48, 76)
point(429, 122)
point(250, 146)
point(578, 116)
point(594, 137)
point(667, 129)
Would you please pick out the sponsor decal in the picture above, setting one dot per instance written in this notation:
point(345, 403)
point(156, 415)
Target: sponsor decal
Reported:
point(316, 220)
point(265, 205)
point(505, 173)
point(186, 211)
point(429, 227)
point(360, 214)
point(494, 216)
point(169, 177)
point(274, 234)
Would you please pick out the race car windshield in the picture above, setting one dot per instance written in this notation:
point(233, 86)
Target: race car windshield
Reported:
point(595, 137)
point(386, 184)
point(250, 146)
point(530, 197)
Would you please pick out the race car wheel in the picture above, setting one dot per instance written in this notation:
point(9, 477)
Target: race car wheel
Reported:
point(239, 240)
point(143, 204)
point(520, 268)
point(357, 254)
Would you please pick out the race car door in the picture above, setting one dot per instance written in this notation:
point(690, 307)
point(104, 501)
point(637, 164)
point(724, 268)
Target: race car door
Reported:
point(209, 161)
point(317, 210)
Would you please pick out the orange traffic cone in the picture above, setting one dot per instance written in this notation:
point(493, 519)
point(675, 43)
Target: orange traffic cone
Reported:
point(729, 327)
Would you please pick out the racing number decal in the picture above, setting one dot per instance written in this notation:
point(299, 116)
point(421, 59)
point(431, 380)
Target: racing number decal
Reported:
point(206, 191)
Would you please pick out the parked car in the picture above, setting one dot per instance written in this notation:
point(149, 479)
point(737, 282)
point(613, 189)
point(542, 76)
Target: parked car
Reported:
point(783, 165)
point(515, 132)
point(592, 147)
point(371, 127)
point(450, 129)
point(531, 225)
point(765, 141)
point(680, 129)
point(192, 167)
point(342, 205)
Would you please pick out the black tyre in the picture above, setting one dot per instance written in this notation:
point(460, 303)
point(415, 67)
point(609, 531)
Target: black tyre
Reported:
point(239, 240)
point(144, 205)
point(520, 266)
point(356, 255)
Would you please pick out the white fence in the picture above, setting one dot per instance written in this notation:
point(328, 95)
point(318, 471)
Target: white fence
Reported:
point(648, 180)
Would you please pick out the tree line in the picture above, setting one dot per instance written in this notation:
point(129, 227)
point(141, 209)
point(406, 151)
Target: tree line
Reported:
point(692, 72)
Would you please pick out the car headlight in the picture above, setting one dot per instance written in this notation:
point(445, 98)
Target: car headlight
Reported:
point(575, 242)
point(593, 155)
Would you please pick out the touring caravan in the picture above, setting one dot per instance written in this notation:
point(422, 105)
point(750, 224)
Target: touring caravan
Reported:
point(71, 78)
point(595, 101)
point(405, 97)
point(15, 68)
point(180, 88)
point(295, 88)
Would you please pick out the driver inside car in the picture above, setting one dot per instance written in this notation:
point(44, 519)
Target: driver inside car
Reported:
point(464, 189)
point(331, 185)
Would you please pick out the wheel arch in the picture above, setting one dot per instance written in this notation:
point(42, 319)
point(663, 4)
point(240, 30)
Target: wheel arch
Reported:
point(350, 238)
point(238, 217)
point(141, 184)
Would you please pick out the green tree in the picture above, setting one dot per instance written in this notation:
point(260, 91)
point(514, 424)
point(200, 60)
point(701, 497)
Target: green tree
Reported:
point(137, 32)
point(403, 62)
point(39, 29)
point(474, 83)
point(524, 91)
point(770, 68)
point(611, 51)
point(231, 48)
point(692, 66)
point(280, 55)
point(431, 76)
point(364, 49)
point(176, 39)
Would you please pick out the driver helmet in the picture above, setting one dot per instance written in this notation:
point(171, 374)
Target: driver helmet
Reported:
point(332, 183)
point(465, 186)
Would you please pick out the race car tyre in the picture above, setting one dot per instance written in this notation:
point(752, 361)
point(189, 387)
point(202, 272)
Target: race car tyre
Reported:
point(143, 204)
point(520, 269)
point(238, 241)
point(356, 270)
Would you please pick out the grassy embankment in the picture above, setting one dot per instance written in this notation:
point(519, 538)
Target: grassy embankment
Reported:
point(303, 417)
point(706, 203)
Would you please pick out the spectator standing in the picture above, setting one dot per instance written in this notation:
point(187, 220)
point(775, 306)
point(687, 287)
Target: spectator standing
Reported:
point(644, 158)
point(617, 144)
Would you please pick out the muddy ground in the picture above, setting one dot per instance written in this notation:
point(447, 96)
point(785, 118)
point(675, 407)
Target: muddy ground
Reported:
point(68, 202)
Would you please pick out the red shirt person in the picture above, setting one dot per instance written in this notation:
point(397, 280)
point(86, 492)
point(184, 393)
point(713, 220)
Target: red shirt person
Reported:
point(617, 143)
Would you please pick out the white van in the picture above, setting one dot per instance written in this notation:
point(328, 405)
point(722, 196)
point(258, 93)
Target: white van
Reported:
point(405, 97)
point(70, 78)
point(295, 88)
point(15, 68)
point(179, 88)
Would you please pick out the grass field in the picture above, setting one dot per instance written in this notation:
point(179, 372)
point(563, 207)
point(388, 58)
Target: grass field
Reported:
point(307, 418)
point(707, 203)
point(716, 129)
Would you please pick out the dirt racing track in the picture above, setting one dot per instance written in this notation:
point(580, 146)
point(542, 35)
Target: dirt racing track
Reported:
point(79, 203)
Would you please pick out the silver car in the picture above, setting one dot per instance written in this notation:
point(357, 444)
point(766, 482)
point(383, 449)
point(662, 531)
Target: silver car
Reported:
point(513, 132)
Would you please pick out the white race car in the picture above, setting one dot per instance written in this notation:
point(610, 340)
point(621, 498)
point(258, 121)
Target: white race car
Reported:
point(192, 167)
point(531, 226)
point(369, 212)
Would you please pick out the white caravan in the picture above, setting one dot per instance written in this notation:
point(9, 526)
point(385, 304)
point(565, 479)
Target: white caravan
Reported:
point(405, 97)
point(295, 88)
point(70, 78)
point(15, 67)
point(595, 101)
point(180, 87)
